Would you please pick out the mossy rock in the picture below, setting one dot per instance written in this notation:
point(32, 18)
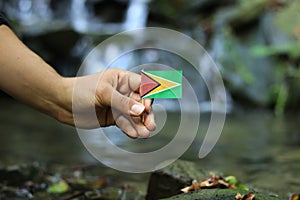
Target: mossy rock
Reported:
point(219, 194)
point(169, 181)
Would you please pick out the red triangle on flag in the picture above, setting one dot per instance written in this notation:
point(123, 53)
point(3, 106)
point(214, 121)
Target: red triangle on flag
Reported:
point(147, 84)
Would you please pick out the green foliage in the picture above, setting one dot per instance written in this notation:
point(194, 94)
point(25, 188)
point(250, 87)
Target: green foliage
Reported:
point(59, 187)
point(290, 49)
point(231, 180)
point(285, 92)
point(248, 11)
point(281, 99)
point(234, 59)
point(234, 181)
point(288, 19)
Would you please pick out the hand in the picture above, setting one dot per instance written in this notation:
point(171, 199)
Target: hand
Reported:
point(113, 96)
point(107, 98)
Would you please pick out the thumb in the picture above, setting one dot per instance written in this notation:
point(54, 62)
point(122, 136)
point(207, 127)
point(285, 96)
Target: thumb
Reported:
point(126, 104)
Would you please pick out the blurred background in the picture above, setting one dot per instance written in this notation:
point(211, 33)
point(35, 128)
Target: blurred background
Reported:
point(255, 44)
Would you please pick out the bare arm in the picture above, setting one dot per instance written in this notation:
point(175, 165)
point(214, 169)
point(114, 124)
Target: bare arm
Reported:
point(27, 77)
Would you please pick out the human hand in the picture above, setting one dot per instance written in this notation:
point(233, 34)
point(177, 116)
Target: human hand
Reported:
point(114, 96)
point(107, 98)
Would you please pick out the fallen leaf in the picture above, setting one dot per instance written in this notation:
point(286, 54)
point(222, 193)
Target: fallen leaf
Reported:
point(99, 183)
point(214, 181)
point(231, 180)
point(195, 186)
point(59, 187)
point(249, 196)
point(295, 197)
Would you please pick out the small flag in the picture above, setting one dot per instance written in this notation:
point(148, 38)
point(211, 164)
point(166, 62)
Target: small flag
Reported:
point(161, 84)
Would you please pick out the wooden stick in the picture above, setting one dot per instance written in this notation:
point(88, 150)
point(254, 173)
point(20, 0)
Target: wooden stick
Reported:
point(143, 115)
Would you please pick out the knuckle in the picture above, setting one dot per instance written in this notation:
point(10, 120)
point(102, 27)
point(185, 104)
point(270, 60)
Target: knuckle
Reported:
point(102, 94)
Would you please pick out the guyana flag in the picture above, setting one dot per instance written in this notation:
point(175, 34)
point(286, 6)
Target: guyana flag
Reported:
point(161, 84)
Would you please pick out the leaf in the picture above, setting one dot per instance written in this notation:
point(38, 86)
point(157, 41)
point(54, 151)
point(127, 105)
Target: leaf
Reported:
point(294, 197)
point(262, 51)
point(249, 196)
point(290, 49)
point(231, 180)
point(214, 181)
point(242, 187)
point(59, 187)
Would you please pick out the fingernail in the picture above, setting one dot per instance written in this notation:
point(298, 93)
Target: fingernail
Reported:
point(137, 109)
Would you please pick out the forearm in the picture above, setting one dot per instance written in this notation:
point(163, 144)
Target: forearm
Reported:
point(112, 94)
point(25, 76)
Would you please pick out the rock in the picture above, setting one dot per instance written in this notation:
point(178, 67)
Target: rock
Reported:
point(107, 193)
point(168, 181)
point(17, 174)
point(272, 33)
point(219, 194)
point(248, 78)
point(183, 14)
point(247, 12)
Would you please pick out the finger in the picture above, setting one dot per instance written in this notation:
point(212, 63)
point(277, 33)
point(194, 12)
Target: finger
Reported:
point(129, 80)
point(136, 96)
point(109, 96)
point(126, 126)
point(127, 105)
point(134, 81)
point(148, 104)
point(142, 131)
point(150, 121)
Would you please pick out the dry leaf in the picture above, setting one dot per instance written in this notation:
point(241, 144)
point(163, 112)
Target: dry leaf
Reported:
point(294, 197)
point(249, 196)
point(212, 182)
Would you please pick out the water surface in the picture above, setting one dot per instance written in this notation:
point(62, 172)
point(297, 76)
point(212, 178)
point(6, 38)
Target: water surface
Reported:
point(255, 146)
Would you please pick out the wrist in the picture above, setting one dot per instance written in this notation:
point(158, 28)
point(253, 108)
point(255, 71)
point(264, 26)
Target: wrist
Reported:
point(64, 93)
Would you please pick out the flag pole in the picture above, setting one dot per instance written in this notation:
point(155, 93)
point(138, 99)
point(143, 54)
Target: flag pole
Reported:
point(143, 115)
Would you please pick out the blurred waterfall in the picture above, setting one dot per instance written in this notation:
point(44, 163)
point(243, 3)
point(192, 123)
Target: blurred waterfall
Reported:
point(79, 16)
point(30, 12)
point(136, 15)
point(32, 15)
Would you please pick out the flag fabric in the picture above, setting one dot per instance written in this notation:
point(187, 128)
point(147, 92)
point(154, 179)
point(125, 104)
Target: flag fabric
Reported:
point(161, 84)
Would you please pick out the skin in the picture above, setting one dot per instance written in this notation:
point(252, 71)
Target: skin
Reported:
point(113, 94)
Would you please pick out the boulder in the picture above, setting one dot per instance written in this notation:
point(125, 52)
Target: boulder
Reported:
point(220, 194)
point(169, 181)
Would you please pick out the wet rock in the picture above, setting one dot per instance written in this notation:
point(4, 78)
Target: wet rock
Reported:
point(183, 14)
point(18, 174)
point(130, 193)
point(106, 194)
point(220, 194)
point(272, 33)
point(249, 78)
point(168, 181)
point(247, 12)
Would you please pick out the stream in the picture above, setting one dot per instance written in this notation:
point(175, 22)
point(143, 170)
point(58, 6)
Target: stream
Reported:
point(256, 147)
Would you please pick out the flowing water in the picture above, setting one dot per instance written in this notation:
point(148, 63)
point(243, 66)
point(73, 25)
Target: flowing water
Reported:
point(256, 147)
